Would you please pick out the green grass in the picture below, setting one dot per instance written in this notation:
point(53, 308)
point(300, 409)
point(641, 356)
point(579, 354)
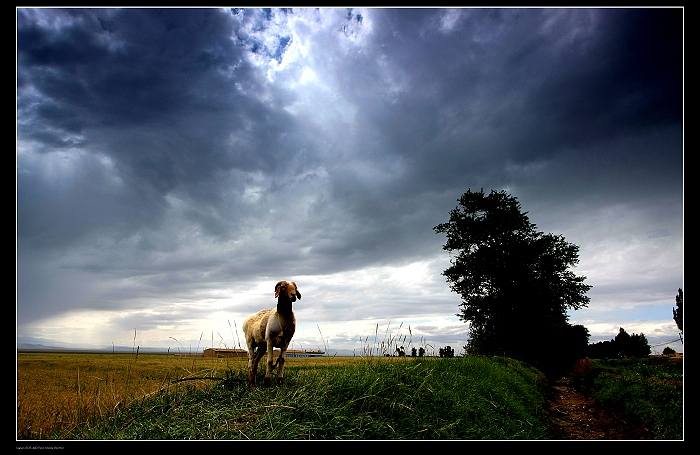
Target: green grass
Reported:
point(645, 393)
point(375, 398)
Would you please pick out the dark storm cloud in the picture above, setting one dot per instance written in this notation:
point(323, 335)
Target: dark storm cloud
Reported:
point(525, 85)
point(172, 155)
point(158, 91)
point(157, 95)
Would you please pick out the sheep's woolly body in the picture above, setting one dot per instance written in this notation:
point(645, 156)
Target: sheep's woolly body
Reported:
point(266, 325)
point(271, 328)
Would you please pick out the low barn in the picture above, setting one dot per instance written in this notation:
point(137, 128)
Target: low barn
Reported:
point(301, 353)
point(221, 352)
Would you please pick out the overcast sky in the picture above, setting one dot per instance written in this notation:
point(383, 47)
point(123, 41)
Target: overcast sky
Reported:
point(174, 164)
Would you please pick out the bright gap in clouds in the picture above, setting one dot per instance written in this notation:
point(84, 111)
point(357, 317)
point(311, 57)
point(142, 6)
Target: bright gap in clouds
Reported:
point(299, 42)
point(346, 308)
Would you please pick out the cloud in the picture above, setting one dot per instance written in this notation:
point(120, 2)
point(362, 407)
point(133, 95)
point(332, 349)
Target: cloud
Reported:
point(172, 163)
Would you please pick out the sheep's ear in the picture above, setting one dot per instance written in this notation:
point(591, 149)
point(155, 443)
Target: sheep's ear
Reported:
point(298, 293)
point(277, 289)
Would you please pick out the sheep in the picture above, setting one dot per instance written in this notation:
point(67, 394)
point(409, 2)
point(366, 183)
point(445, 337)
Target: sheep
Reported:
point(269, 329)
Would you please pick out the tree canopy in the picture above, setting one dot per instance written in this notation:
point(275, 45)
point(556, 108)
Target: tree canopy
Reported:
point(622, 346)
point(515, 282)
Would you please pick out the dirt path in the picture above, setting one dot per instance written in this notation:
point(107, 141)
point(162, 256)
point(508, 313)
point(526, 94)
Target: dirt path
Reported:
point(574, 416)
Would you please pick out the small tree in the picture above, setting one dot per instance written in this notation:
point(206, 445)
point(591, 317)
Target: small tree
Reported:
point(574, 345)
point(633, 345)
point(678, 313)
point(623, 341)
point(602, 350)
point(622, 346)
point(447, 351)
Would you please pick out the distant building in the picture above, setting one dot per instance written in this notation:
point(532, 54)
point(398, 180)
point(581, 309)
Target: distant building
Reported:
point(221, 352)
point(301, 353)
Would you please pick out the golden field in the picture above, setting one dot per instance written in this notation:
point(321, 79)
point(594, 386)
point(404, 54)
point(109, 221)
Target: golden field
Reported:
point(56, 391)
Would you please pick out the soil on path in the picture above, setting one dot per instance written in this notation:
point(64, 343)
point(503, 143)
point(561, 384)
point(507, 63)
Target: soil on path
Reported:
point(575, 416)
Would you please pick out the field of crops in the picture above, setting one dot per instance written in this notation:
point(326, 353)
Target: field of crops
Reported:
point(56, 390)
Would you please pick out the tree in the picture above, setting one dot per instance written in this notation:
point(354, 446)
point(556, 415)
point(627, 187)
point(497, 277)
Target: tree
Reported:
point(514, 281)
point(622, 343)
point(602, 350)
point(622, 346)
point(639, 346)
point(447, 351)
point(678, 313)
point(577, 341)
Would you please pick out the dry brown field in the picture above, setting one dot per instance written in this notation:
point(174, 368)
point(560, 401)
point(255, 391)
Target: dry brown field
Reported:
point(56, 391)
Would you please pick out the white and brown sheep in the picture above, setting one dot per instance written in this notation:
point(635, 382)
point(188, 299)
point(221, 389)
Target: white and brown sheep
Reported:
point(269, 329)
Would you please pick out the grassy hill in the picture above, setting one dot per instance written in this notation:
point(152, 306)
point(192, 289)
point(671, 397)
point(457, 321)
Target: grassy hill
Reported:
point(460, 398)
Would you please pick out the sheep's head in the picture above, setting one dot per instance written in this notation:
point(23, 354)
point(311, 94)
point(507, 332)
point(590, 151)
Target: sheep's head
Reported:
point(287, 289)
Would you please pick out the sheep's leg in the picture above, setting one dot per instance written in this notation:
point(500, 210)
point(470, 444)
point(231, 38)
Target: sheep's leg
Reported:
point(251, 356)
point(252, 367)
point(254, 356)
point(280, 371)
point(270, 352)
